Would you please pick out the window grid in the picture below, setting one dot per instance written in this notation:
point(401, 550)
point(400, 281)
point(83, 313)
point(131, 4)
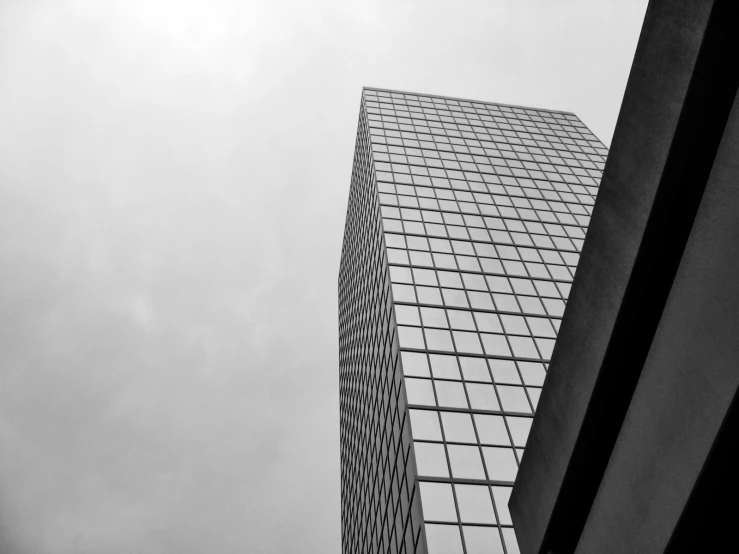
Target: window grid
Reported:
point(464, 228)
point(375, 440)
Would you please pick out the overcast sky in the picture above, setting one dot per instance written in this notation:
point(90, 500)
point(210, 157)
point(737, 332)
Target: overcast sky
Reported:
point(173, 185)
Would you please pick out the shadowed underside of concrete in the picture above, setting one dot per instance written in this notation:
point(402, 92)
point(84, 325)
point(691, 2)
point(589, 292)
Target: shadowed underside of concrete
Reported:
point(631, 446)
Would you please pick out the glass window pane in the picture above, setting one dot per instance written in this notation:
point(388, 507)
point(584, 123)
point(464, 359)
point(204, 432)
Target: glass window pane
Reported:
point(430, 459)
point(458, 427)
point(437, 501)
point(475, 504)
point(514, 268)
point(465, 461)
point(400, 274)
point(482, 540)
point(513, 399)
point(417, 243)
point(547, 289)
point(506, 303)
point(523, 286)
point(450, 280)
point(508, 253)
point(411, 337)
point(504, 371)
point(415, 363)
point(474, 369)
point(434, 317)
point(419, 391)
point(495, 345)
point(488, 323)
point(443, 539)
point(444, 367)
point(491, 429)
point(461, 320)
point(421, 258)
point(443, 261)
point(514, 324)
point(468, 263)
point(455, 298)
point(428, 295)
point(394, 241)
point(474, 281)
point(425, 425)
point(424, 277)
point(391, 225)
point(407, 315)
point(500, 463)
point(481, 300)
point(491, 266)
point(540, 327)
point(439, 339)
point(498, 284)
point(523, 347)
point(539, 270)
point(451, 395)
point(531, 305)
point(467, 342)
point(463, 248)
point(440, 245)
point(403, 293)
point(482, 397)
point(397, 256)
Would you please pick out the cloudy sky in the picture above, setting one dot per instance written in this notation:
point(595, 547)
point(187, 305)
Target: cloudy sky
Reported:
point(173, 180)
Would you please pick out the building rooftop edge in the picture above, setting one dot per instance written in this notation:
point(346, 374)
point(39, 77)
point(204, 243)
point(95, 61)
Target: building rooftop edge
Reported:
point(469, 100)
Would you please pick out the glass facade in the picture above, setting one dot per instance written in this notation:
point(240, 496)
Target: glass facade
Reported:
point(463, 232)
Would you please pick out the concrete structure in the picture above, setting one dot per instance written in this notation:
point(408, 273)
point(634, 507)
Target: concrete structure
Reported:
point(463, 231)
point(633, 447)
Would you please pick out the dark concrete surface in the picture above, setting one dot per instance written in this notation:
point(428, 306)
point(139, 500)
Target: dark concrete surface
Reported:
point(687, 384)
point(654, 99)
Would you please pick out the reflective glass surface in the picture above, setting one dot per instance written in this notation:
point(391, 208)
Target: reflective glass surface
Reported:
point(463, 234)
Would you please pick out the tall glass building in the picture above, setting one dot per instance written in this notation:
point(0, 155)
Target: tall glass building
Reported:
point(463, 231)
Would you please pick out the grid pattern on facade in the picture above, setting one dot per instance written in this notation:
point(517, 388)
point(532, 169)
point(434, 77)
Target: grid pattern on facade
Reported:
point(483, 212)
point(377, 482)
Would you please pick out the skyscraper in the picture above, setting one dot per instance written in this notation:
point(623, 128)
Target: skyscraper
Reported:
point(463, 231)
